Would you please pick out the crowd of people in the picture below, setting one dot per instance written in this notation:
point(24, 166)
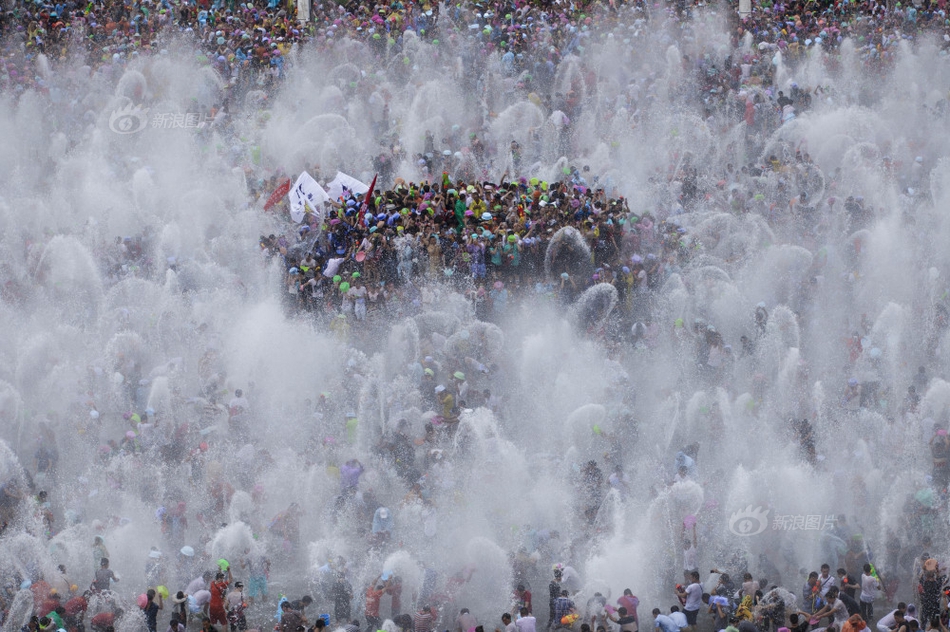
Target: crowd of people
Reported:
point(213, 600)
point(361, 261)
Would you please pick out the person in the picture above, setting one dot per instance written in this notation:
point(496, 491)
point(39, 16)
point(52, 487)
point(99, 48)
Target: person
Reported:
point(623, 618)
point(179, 603)
point(175, 624)
point(554, 591)
point(894, 620)
point(870, 589)
point(290, 619)
point(424, 619)
point(202, 582)
point(383, 524)
point(521, 598)
point(563, 606)
point(930, 589)
point(811, 599)
point(507, 622)
point(154, 568)
point(826, 581)
point(693, 595)
point(770, 608)
point(300, 605)
point(99, 551)
point(151, 609)
point(257, 567)
point(342, 594)
point(465, 621)
point(236, 607)
point(104, 576)
point(374, 593)
point(75, 610)
point(219, 589)
point(854, 624)
point(850, 603)
point(834, 608)
point(200, 602)
point(798, 622)
point(749, 585)
point(104, 621)
point(663, 622)
point(849, 585)
point(678, 617)
point(526, 621)
point(450, 413)
point(720, 608)
point(689, 551)
point(629, 601)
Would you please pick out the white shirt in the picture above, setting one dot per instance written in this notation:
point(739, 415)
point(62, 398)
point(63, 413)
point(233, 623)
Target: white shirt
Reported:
point(679, 619)
point(826, 583)
point(358, 294)
point(840, 612)
point(694, 597)
point(887, 620)
point(196, 584)
point(869, 588)
point(689, 559)
point(525, 624)
point(202, 597)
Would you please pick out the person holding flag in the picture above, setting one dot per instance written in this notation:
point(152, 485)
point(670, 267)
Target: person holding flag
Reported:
point(367, 199)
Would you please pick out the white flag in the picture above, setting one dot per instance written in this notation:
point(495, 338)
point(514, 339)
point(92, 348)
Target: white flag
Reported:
point(335, 188)
point(306, 192)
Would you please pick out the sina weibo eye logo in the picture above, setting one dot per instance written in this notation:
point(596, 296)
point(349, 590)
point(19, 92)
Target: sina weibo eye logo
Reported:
point(129, 119)
point(749, 521)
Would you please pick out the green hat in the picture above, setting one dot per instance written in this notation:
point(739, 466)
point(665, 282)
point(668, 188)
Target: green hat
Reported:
point(512, 239)
point(337, 278)
point(355, 275)
point(458, 375)
point(344, 287)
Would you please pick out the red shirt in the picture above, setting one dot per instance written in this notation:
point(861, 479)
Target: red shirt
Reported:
point(218, 591)
point(75, 605)
point(372, 601)
point(102, 620)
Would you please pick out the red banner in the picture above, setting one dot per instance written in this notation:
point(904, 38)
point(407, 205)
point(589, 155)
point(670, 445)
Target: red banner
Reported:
point(280, 192)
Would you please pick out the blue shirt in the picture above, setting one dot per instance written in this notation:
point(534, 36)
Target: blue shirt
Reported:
point(679, 619)
point(562, 607)
point(665, 623)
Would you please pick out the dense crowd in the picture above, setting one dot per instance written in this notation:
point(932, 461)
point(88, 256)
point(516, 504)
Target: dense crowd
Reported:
point(489, 240)
point(364, 260)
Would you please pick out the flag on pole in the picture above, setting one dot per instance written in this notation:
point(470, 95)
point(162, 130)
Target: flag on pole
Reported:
point(278, 193)
point(306, 192)
point(366, 199)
